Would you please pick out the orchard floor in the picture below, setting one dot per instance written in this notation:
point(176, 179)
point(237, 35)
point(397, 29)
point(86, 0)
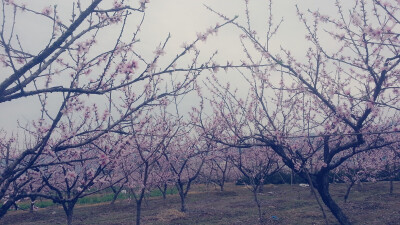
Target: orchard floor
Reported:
point(369, 204)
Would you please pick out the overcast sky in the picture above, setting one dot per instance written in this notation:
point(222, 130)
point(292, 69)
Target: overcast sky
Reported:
point(182, 19)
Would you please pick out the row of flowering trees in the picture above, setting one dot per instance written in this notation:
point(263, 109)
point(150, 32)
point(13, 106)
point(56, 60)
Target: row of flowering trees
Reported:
point(105, 113)
point(93, 99)
point(318, 111)
point(160, 151)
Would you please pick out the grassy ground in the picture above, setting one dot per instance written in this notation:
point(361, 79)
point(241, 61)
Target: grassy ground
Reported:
point(369, 204)
point(93, 199)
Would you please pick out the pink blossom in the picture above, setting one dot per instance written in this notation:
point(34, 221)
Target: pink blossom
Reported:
point(213, 31)
point(356, 20)
point(70, 174)
point(370, 105)
point(215, 67)
point(159, 51)
point(143, 3)
point(4, 61)
point(117, 4)
point(9, 2)
point(128, 67)
point(185, 45)
point(47, 11)
point(201, 36)
point(104, 159)
point(90, 173)
point(20, 60)
point(386, 4)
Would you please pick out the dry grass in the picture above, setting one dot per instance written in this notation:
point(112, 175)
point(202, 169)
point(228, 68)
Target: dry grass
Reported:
point(370, 204)
point(168, 215)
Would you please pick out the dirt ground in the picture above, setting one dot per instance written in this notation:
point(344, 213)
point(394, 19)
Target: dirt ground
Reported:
point(370, 203)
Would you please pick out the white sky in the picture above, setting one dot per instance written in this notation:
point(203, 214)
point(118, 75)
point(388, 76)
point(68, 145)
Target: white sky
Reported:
point(183, 19)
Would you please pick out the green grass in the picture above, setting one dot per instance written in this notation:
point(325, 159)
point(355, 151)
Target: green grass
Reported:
point(94, 199)
point(157, 193)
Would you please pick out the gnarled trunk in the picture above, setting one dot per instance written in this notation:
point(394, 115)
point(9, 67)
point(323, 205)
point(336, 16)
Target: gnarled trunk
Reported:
point(182, 195)
point(322, 183)
point(70, 214)
point(69, 210)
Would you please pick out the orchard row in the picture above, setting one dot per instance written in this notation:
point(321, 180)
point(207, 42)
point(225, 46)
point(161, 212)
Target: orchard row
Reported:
point(109, 113)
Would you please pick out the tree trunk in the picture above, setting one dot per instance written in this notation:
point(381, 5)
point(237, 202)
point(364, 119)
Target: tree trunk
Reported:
point(222, 183)
point(138, 211)
point(222, 186)
point(69, 210)
point(261, 188)
point(323, 190)
point(163, 190)
point(183, 205)
point(70, 213)
point(5, 207)
point(260, 218)
point(291, 178)
point(346, 196)
point(114, 199)
point(179, 185)
point(31, 208)
point(391, 186)
point(116, 194)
